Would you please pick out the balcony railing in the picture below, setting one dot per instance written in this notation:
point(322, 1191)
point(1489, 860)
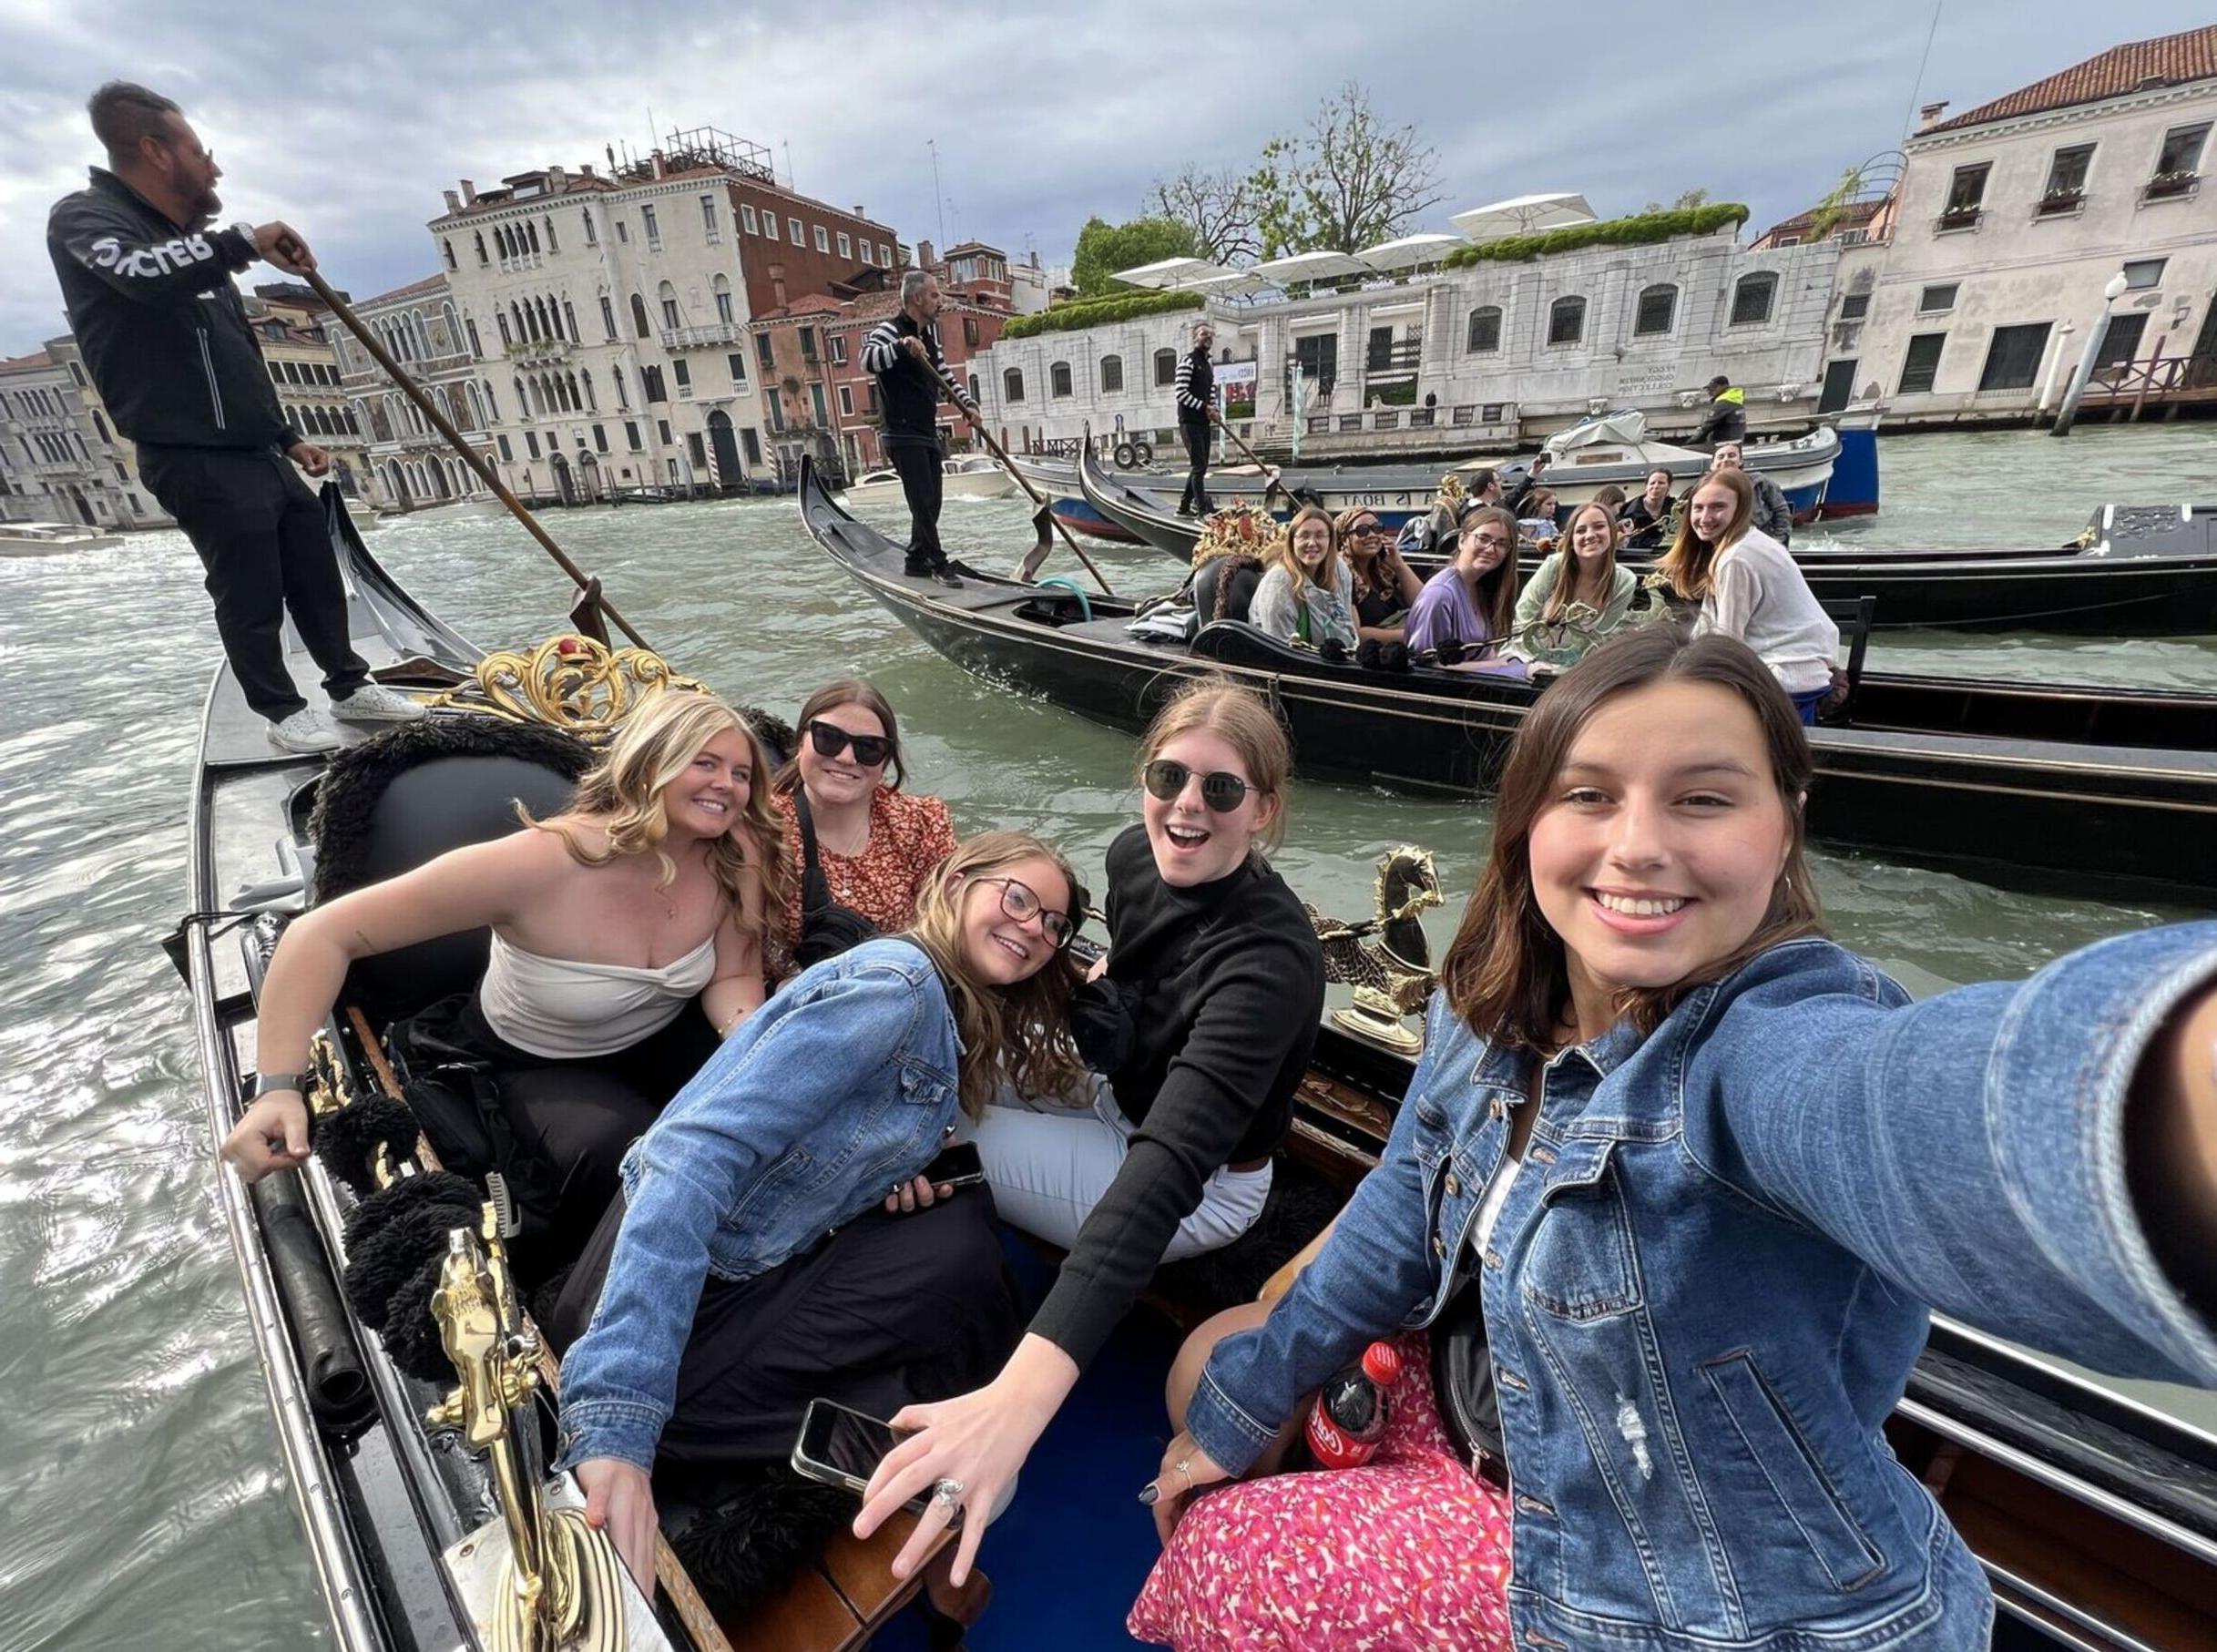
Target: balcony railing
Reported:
point(1958, 217)
point(538, 353)
point(2171, 186)
point(714, 334)
point(1400, 356)
point(2059, 203)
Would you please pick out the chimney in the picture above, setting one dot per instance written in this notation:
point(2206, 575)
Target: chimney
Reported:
point(558, 180)
point(469, 193)
point(924, 255)
point(858, 211)
point(454, 201)
point(587, 169)
point(659, 166)
point(1929, 115)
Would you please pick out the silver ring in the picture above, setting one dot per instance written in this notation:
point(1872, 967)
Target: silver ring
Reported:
point(948, 1494)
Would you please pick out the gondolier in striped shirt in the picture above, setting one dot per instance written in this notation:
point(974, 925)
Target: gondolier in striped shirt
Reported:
point(1196, 390)
point(903, 351)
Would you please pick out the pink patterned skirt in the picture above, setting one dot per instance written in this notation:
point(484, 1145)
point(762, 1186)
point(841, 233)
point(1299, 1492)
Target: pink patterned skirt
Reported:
point(1409, 1551)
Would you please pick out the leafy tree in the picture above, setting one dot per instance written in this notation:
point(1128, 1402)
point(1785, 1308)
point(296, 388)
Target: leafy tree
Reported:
point(1217, 210)
point(1104, 247)
point(1349, 181)
point(1687, 200)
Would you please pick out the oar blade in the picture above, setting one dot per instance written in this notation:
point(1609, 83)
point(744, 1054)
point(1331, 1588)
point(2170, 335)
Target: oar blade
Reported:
point(1043, 519)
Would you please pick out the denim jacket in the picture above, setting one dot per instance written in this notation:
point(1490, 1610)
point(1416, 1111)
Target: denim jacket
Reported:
point(1711, 1279)
point(837, 1089)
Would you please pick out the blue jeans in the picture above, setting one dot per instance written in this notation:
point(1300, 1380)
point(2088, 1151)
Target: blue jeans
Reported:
point(1807, 704)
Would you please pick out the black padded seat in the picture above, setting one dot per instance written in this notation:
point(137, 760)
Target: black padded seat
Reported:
point(1225, 588)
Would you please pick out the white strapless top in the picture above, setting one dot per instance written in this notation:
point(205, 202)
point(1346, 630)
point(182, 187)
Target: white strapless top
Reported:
point(562, 1009)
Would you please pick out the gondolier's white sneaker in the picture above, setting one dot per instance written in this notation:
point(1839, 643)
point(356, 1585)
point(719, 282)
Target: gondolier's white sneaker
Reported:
point(305, 730)
point(376, 703)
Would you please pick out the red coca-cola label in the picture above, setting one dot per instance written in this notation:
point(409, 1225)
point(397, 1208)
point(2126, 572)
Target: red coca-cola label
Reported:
point(1329, 1443)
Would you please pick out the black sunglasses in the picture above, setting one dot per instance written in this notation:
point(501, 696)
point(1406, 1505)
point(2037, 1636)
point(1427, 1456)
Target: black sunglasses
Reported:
point(1019, 900)
point(1166, 779)
point(829, 740)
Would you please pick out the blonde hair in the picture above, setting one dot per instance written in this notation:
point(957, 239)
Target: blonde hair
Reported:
point(1567, 576)
point(622, 794)
point(1691, 562)
point(1016, 1034)
point(1282, 552)
point(1240, 717)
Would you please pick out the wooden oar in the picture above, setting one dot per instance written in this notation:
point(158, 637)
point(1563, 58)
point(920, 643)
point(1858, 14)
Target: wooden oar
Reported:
point(591, 605)
point(1269, 470)
point(1044, 518)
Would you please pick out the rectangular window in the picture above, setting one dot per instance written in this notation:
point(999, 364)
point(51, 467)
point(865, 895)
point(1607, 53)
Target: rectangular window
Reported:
point(2066, 185)
point(737, 361)
point(2181, 155)
point(600, 438)
point(508, 454)
point(1933, 301)
point(661, 428)
point(839, 350)
point(750, 445)
point(693, 446)
point(865, 252)
point(823, 238)
point(723, 305)
point(847, 402)
point(846, 245)
point(654, 230)
point(1855, 306)
point(2013, 359)
point(1381, 352)
point(763, 351)
point(2142, 273)
point(816, 405)
point(608, 318)
point(1317, 357)
point(2121, 344)
point(708, 219)
point(531, 442)
point(777, 413)
point(622, 234)
point(682, 371)
point(1922, 364)
point(1965, 196)
point(885, 255)
point(746, 219)
point(792, 232)
point(770, 224)
point(808, 343)
point(969, 331)
point(631, 437)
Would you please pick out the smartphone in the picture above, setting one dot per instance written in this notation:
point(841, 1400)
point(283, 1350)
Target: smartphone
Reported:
point(959, 1166)
point(841, 1446)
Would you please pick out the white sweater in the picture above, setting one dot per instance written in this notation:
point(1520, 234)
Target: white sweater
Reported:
point(1758, 594)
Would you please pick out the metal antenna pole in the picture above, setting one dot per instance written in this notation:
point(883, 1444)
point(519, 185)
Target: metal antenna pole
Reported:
point(933, 145)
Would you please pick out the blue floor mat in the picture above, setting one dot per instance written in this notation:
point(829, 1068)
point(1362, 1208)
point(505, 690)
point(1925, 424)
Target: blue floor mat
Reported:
point(1068, 1558)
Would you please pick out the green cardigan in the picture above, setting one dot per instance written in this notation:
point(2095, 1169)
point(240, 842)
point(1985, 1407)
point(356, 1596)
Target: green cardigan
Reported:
point(1564, 640)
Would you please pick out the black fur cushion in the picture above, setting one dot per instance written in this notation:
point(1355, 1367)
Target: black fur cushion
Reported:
point(412, 1334)
point(347, 1140)
point(1301, 1202)
point(437, 1187)
point(390, 1255)
point(762, 1535)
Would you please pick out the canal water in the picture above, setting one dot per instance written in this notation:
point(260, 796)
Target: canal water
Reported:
point(141, 1500)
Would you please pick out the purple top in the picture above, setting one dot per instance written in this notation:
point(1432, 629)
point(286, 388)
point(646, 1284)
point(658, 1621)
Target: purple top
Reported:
point(1444, 610)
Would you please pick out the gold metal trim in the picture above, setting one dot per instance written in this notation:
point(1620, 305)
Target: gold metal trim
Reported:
point(568, 682)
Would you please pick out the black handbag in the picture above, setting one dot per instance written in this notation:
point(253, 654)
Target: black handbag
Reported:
point(827, 928)
point(1462, 1383)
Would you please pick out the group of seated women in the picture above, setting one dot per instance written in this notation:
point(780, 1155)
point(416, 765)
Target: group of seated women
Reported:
point(1676, 1175)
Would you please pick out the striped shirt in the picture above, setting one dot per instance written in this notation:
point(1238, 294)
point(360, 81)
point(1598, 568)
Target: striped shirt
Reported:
point(1195, 383)
point(907, 391)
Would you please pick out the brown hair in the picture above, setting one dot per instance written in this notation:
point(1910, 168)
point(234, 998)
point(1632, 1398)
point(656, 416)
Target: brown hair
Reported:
point(123, 113)
point(1501, 608)
point(1242, 720)
point(1691, 561)
point(1567, 576)
point(622, 793)
point(846, 691)
point(1007, 1034)
point(1282, 552)
point(1506, 973)
point(1609, 498)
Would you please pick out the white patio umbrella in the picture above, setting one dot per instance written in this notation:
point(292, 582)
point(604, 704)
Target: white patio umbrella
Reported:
point(1321, 266)
point(1172, 272)
point(1410, 250)
point(1523, 215)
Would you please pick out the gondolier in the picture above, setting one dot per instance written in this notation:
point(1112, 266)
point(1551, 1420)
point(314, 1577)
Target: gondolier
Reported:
point(1196, 390)
point(903, 351)
point(164, 334)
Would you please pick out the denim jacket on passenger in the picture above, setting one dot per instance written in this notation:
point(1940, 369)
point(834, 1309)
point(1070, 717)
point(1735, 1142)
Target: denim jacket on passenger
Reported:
point(841, 1086)
point(1710, 1282)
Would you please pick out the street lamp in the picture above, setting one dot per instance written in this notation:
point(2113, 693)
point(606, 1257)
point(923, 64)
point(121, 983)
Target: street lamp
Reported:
point(2112, 289)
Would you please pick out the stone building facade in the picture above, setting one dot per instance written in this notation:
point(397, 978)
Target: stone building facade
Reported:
point(60, 459)
point(293, 326)
point(410, 465)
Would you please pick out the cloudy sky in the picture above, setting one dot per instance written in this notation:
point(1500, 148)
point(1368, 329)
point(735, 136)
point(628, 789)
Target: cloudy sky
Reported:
point(348, 121)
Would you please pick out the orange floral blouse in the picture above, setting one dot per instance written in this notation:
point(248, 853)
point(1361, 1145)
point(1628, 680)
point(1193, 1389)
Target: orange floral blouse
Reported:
point(908, 836)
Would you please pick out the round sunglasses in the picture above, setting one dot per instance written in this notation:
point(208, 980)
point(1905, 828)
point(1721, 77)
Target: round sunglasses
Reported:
point(1166, 779)
point(829, 740)
point(1018, 902)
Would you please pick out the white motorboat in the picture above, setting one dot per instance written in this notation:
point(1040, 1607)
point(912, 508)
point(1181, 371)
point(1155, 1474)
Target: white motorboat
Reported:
point(970, 476)
point(43, 538)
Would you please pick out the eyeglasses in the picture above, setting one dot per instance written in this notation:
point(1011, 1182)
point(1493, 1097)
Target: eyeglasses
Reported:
point(829, 740)
point(1166, 779)
point(1490, 541)
point(1019, 902)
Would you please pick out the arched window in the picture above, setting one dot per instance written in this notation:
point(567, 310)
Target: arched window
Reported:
point(490, 407)
point(1058, 379)
point(548, 329)
point(1484, 331)
point(623, 399)
point(1567, 320)
point(477, 409)
point(973, 391)
point(592, 236)
point(1753, 296)
point(723, 299)
point(478, 235)
point(1166, 369)
point(576, 402)
point(552, 245)
point(638, 316)
point(569, 322)
point(531, 232)
point(1012, 385)
point(454, 327)
point(501, 241)
point(669, 296)
point(590, 404)
point(1658, 311)
point(447, 247)
point(476, 344)
point(1112, 374)
point(523, 406)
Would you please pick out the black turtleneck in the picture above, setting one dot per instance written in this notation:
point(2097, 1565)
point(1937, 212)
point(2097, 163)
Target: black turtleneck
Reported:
point(1204, 1025)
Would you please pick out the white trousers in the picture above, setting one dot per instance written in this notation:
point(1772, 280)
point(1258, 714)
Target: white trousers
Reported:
point(1049, 1162)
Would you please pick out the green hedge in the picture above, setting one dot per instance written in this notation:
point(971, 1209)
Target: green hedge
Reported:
point(1089, 312)
point(1640, 229)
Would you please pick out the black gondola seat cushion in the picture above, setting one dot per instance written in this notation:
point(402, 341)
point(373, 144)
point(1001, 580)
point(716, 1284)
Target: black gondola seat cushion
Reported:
point(409, 795)
point(1224, 586)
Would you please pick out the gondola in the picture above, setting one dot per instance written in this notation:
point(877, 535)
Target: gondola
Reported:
point(2034, 786)
point(2144, 571)
point(2096, 1516)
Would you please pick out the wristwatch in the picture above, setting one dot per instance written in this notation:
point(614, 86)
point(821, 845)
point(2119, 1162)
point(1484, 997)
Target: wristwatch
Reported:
point(245, 232)
point(265, 1082)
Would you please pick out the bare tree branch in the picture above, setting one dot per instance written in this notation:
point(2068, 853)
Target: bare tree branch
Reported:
point(1218, 208)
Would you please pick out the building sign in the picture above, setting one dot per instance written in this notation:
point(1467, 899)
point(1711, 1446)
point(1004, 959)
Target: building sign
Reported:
point(1235, 389)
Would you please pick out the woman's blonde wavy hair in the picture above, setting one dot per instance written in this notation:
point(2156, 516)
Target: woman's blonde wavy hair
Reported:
point(623, 794)
point(1015, 1034)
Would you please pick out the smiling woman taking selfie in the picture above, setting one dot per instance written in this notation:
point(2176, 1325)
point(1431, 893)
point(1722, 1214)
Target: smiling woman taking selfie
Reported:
point(1706, 1172)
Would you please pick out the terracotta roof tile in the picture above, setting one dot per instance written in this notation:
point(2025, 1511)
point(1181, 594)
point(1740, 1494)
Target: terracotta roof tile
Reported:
point(2168, 59)
point(25, 363)
point(425, 285)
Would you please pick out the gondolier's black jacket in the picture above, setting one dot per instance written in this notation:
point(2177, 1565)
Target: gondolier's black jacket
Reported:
point(160, 326)
point(905, 388)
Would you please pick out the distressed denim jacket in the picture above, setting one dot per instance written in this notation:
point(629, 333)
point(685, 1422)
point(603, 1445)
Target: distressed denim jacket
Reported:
point(837, 1089)
point(1710, 1279)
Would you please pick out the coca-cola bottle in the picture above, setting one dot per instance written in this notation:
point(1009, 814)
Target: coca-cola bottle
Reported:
point(1349, 1417)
